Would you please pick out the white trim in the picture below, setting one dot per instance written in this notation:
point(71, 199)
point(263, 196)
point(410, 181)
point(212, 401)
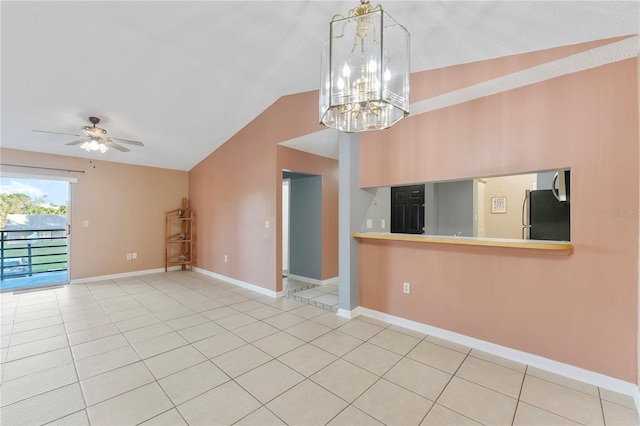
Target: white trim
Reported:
point(36, 176)
point(330, 281)
point(304, 279)
point(313, 280)
point(566, 370)
point(349, 314)
point(239, 283)
point(122, 275)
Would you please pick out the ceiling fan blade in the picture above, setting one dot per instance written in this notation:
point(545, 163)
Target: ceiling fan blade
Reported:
point(78, 142)
point(55, 133)
point(127, 141)
point(116, 146)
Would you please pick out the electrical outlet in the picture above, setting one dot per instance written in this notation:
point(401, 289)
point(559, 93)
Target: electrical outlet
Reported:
point(134, 255)
point(406, 288)
point(225, 258)
point(382, 224)
point(85, 223)
point(128, 256)
point(369, 223)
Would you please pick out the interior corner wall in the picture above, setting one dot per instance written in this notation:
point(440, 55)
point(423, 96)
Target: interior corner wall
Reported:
point(124, 204)
point(580, 309)
point(638, 315)
point(237, 190)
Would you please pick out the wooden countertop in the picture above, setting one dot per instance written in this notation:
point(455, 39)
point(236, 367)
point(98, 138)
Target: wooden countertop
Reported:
point(469, 241)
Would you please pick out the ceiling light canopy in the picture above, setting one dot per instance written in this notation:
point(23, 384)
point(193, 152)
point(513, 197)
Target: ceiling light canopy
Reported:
point(365, 71)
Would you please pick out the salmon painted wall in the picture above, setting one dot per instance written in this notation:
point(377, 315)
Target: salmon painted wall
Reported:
point(125, 207)
point(427, 84)
point(235, 190)
point(291, 159)
point(580, 309)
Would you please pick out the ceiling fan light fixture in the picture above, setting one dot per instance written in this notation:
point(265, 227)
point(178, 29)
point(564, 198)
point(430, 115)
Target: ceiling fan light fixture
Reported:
point(94, 131)
point(365, 71)
point(94, 145)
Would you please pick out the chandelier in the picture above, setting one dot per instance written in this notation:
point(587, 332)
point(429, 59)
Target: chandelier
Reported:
point(365, 71)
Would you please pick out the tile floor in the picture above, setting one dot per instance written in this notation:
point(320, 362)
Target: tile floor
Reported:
point(181, 348)
point(323, 296)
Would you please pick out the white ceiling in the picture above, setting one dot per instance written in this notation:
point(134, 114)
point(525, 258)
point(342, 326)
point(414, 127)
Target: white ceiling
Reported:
point(183, 77)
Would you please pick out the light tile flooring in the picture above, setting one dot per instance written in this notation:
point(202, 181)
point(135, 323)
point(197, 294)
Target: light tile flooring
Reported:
point(323, 296)
point(181, 348)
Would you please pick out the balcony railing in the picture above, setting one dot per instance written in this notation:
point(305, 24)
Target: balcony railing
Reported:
point(32, 251)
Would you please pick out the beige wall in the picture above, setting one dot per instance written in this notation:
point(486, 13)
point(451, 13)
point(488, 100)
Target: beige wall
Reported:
point(238, 187)
point(580, 309)
point(509, 224)
point(125, 207)
point(638, 89)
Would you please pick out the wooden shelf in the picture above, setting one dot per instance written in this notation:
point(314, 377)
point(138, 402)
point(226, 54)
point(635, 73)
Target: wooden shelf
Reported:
point(470, 241)
point(179, 222)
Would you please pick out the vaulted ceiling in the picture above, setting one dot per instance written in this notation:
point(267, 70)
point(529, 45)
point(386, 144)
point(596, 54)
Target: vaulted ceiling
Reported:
point(183, 77)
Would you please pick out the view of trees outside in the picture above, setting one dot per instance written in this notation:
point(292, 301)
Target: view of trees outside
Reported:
point(32, 196)
point(23, 204)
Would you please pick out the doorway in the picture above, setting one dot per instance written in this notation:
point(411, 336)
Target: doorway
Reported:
point(479, 208)
point(302, 240)
point(34, 225)
point(286, 200)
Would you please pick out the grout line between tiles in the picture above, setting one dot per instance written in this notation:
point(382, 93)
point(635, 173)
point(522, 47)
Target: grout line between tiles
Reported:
point(515, 412)
point(445, 387)
point(604, 420)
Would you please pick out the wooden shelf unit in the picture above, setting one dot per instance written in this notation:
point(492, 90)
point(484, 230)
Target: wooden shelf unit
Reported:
point(179, 237)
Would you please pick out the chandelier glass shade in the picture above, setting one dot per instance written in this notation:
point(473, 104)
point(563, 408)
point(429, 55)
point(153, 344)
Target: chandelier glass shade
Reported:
point(365, 71)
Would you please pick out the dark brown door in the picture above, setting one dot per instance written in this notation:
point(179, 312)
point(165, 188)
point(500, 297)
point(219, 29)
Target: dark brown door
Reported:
point(407, 209)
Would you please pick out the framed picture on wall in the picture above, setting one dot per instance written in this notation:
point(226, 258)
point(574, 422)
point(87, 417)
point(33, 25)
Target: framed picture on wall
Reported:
point(498, 205)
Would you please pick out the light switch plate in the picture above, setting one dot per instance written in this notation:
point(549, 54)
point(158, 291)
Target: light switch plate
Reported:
point(382, 224)
point(266, 224)
point(369, 223)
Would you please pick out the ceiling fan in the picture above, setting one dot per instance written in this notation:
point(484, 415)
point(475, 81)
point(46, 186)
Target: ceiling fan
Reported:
point(95, 139)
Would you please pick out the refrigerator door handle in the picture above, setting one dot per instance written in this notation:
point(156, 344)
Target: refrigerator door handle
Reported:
point(560, 191)
point(553, 186)
point(525, 222)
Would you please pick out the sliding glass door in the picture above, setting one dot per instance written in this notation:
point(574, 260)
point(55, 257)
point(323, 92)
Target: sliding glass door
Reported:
point(34, 238)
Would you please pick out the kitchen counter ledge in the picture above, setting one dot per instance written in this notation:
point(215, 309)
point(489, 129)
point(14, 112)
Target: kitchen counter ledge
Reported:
point(469, 241)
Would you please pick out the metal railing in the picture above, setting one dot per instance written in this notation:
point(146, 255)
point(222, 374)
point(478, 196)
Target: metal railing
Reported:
point(27, 252)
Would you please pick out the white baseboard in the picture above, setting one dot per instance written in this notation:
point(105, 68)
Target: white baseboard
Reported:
point(312, 280)
point(330, 281)
point(121, 275)
point(239, 283)
point(562, 369)
point(349, 314)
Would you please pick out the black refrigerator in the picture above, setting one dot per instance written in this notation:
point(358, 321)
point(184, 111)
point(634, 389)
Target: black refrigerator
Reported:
point(544, 217)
